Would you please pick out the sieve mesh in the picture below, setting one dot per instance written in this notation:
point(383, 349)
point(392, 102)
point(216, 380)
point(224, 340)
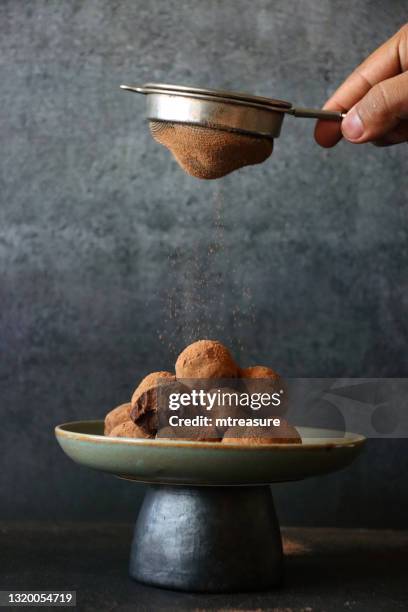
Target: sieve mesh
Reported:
point(209, 153)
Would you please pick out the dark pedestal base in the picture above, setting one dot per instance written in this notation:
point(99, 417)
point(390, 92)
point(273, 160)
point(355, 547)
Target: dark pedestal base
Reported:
point(208, 539)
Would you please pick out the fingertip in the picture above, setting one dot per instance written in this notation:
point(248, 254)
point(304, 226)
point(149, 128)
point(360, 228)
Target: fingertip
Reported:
point(327, 134)
point(352, 126)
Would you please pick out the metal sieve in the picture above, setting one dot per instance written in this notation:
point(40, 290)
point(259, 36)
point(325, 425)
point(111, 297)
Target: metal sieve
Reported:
point(252, 117)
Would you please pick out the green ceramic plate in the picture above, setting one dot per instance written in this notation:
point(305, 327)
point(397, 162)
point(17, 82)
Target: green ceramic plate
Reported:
point(208, 463)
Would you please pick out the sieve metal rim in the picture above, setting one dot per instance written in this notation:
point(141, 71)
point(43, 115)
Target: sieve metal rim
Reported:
point(214, 113)
point(231, 97)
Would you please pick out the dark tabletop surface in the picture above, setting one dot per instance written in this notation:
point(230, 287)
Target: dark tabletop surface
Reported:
point(326, 570)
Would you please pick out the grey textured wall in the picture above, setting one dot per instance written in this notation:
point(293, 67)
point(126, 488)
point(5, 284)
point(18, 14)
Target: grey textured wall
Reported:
point(104, 241)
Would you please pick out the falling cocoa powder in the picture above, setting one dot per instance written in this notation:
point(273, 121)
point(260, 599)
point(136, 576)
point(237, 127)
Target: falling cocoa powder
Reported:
point(208, 298)
point(209, 153)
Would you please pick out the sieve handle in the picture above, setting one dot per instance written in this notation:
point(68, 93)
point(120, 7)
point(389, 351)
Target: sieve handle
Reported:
point(314, 113)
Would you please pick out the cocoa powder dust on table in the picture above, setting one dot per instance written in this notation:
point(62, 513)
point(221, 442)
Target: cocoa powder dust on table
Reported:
point(208, 298)
point(209, 153)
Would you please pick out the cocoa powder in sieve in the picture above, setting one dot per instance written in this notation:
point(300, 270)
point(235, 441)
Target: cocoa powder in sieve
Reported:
point(209, 153)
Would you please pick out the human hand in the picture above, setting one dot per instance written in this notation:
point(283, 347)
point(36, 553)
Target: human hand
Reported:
point(376, 98)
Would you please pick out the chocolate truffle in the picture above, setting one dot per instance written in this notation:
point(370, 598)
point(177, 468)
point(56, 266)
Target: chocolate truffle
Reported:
point(115, 417)
point(284, 434)
point(206, 359)
point(204, 434)
point(258, 372)
point(220, 411)
point(128, 430)
point(261, 379)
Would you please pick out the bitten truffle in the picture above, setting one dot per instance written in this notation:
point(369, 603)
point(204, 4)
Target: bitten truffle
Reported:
point(152, 391)
point(284, 434)
point(115, 417)
point(128, 430)
point(206, 359)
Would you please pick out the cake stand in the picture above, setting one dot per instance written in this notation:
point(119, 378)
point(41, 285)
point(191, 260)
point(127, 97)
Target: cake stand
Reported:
point(208, 521)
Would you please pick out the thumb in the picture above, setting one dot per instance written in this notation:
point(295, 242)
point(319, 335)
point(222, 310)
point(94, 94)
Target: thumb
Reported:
point(378, 112)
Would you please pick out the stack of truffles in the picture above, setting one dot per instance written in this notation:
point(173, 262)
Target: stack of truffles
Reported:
point(203, 363)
